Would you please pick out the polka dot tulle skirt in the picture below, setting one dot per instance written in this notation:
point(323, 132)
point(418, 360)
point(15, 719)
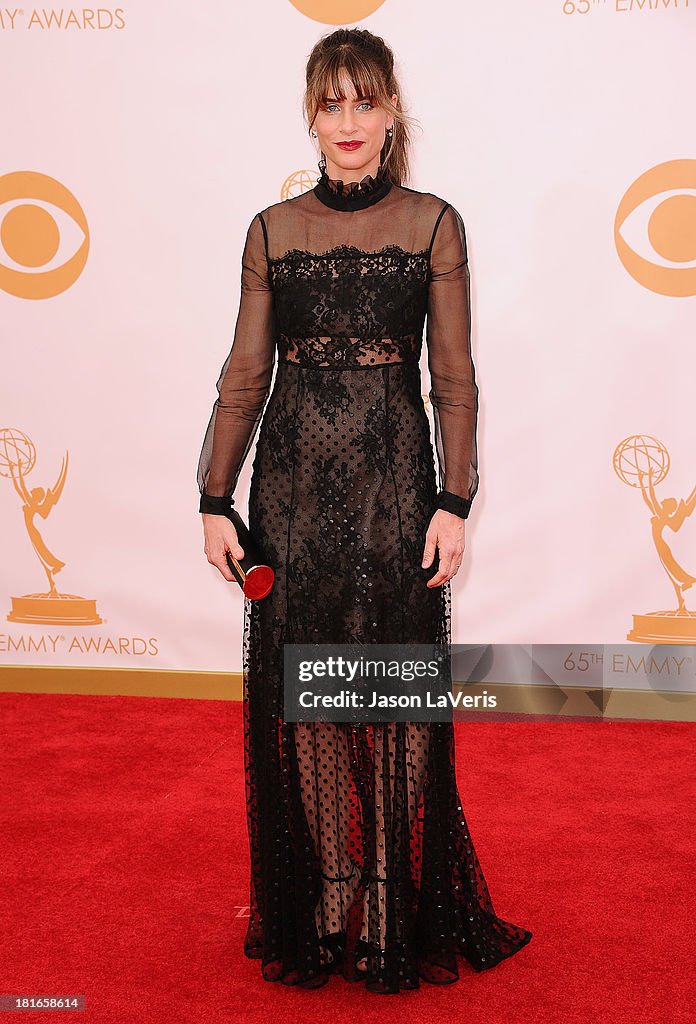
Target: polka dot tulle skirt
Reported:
point(362, 860)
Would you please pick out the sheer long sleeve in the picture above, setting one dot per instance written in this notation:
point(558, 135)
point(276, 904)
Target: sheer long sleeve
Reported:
point(454, 393)
point(244, 381)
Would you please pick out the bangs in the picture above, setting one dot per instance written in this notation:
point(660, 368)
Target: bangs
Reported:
point(365, 79)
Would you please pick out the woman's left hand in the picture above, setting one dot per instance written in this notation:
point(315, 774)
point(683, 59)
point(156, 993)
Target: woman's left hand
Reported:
point(446, 533)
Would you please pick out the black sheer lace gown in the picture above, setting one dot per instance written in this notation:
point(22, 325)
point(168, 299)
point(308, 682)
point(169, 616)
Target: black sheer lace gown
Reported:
point(361, 858)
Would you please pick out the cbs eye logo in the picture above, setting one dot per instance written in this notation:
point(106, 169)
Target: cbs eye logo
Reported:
point(44, 236)
point(659, 211)
point(337, 12)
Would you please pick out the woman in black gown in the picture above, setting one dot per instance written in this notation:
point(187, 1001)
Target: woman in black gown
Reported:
point(361, 858)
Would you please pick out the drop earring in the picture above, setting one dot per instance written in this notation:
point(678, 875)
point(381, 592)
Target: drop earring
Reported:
point(322, 161)
point(387, 138)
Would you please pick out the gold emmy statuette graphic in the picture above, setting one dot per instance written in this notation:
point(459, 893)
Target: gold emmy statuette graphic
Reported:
point(642, 461)
point(17, 459)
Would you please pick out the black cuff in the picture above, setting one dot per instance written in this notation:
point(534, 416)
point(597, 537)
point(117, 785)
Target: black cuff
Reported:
point(453, 503)
point(214, 505)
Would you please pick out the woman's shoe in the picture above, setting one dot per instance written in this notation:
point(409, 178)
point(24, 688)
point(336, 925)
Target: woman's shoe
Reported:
point(332, 945)
point(363, 951)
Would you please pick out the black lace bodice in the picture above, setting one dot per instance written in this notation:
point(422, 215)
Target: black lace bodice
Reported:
point(345, 276)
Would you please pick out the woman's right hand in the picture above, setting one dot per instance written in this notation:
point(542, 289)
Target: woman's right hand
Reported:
point(221, 537)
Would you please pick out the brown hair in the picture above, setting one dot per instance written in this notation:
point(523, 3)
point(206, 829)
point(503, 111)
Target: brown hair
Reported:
point(369, 63)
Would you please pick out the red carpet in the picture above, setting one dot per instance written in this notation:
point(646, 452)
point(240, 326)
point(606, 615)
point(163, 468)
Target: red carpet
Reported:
point(124, 860)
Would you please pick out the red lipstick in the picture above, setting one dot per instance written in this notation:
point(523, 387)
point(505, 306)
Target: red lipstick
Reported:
point(349, 146)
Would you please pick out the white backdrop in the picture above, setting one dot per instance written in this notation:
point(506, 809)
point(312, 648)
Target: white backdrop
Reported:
point(170, 126)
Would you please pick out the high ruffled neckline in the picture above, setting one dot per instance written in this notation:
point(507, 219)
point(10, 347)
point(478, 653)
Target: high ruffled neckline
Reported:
point(353, 195)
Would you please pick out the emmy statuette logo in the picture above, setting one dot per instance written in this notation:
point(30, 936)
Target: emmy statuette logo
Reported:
point(297, 183)
point(643, 462)
point(17, 460)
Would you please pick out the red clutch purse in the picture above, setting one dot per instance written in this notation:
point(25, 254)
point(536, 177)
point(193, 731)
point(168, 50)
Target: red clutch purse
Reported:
point(252, 572)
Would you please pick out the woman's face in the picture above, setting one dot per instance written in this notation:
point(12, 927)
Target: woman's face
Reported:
point(351, 120)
